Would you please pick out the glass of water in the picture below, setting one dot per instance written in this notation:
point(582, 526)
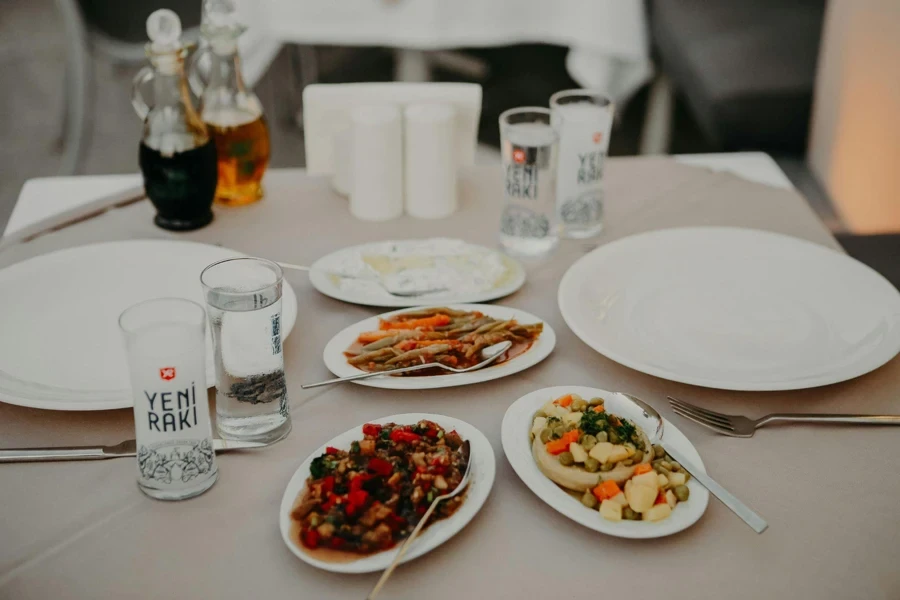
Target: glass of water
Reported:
point(583, 121)
point(243, 302)
point(528, 226)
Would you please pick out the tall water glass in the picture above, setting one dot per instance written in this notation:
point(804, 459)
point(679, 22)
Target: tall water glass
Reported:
point(583, 121)
point(165, 343)
point(243, 298)
point(528, 145)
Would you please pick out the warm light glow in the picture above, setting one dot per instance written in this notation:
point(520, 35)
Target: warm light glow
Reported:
point(855, 143)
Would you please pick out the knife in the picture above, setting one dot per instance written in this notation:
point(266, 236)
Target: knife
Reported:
point(126, 448)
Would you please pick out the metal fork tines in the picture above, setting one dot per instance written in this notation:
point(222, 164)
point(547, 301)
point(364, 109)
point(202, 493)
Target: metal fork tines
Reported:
point(740, 426)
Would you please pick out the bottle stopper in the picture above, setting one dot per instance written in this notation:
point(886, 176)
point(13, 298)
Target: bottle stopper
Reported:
point(164, 31)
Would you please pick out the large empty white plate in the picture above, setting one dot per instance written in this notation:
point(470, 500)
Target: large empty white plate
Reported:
point(60, 345)
point(732, 308)
point(481, 479)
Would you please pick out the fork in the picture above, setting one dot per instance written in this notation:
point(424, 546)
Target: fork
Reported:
point(466, 451)
point(739, 426)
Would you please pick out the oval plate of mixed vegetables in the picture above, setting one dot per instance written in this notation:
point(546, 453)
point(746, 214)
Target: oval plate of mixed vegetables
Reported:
point(453, 335)
point(351, 503)
point(584, 451)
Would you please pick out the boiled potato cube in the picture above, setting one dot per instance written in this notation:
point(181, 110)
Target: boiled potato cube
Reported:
point(641, 497)
point(611, 511)
point(538, 426)
point(671, 500)
point(578, 452)
point(658, 512)
point(601, 451)
point(548, 407)
point(676, 479)
point(618, 453)
point(572, 418)
point(619, 499)
point(662, 480)
point(629, 447)
point(648, 479)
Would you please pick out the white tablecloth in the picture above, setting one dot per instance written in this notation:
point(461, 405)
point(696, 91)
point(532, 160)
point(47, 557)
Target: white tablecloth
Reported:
point(608, 38)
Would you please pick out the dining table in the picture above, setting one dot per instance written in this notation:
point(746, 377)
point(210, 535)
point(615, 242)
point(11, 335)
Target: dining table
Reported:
point(83, 529)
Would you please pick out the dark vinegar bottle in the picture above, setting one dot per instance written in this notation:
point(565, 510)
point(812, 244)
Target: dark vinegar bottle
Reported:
point(177, 156)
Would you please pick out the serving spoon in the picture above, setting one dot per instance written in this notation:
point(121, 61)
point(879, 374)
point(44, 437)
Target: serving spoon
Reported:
point(488, 355)
point(465, 450)
point(756, 522)
point(393, 291)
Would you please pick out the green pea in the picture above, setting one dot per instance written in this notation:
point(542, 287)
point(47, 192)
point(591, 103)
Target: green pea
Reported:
point(614, 437)
point(597, 401)
point(559, 431)
point(675, 466)
point(602, 437)
point(629, 515)
point(627, 462)
point(566, 459)
point(571, 426)
point(545, 435)
point(682, 492)
point(578, 405)
point(658, 451)
point(637, 457)
point(589, 500)
point(606, 467)
point(591, 465)
point(588, 442)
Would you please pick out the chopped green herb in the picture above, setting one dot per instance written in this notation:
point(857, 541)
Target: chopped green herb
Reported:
point(593, 423)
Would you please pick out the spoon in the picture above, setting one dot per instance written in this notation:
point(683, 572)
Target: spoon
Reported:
point(743, 511)
point(465, 450)
point(488, 355)
point(394, 291)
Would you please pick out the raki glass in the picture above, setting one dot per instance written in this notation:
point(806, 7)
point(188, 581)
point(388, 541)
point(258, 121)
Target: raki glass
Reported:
point(529, 225)
point(243, 302)
point(583, 119)
point(165, 343)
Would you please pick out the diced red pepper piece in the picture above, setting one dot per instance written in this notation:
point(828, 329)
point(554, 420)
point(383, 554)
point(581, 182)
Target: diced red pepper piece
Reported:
point(420, 510)
point(335, 542)
point(399, 435)
point(395, 522)
point(372, 429)
point(379, 466)
point(329, 504)
point(438, 470)
point(421, 469)
point(311, 538)
point(357, 498)
point(431, 433)
point(426, 485)
point(357, 482)
point(331, 450)
point(350, 509)
point(327, 484)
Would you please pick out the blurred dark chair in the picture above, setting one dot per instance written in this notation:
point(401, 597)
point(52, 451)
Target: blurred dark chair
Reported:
point(745, 69)
point(115, 31)
point(880, 251)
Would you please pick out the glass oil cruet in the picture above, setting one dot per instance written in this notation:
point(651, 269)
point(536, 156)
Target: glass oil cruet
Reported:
point(230, 109)
point(177, 156)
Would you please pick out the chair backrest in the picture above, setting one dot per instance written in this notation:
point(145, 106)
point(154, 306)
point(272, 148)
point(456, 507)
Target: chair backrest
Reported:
point(125, 20)
point(326, 111)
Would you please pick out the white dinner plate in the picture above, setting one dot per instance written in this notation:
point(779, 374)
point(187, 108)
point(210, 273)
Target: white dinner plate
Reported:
point(337, 362)
point(515, 434)
point(371, 293)
point(481, 479)
point(734, 309)
point(60, 344)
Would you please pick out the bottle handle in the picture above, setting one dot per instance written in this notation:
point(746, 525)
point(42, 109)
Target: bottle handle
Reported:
point(194, 79)
point(137, 98)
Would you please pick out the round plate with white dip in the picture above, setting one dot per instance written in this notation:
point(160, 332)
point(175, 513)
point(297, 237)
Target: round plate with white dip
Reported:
point(469, 272)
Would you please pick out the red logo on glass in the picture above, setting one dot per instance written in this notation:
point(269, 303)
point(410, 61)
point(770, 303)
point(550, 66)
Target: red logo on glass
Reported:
point(518, 156)
point(597, 137)
point(167, 373)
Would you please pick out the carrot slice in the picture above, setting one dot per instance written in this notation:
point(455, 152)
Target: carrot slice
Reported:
point(606, 490)
point(367, 337)
point(564, 401)
point(642, 468)
point(562, 444)
point(426, 323)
